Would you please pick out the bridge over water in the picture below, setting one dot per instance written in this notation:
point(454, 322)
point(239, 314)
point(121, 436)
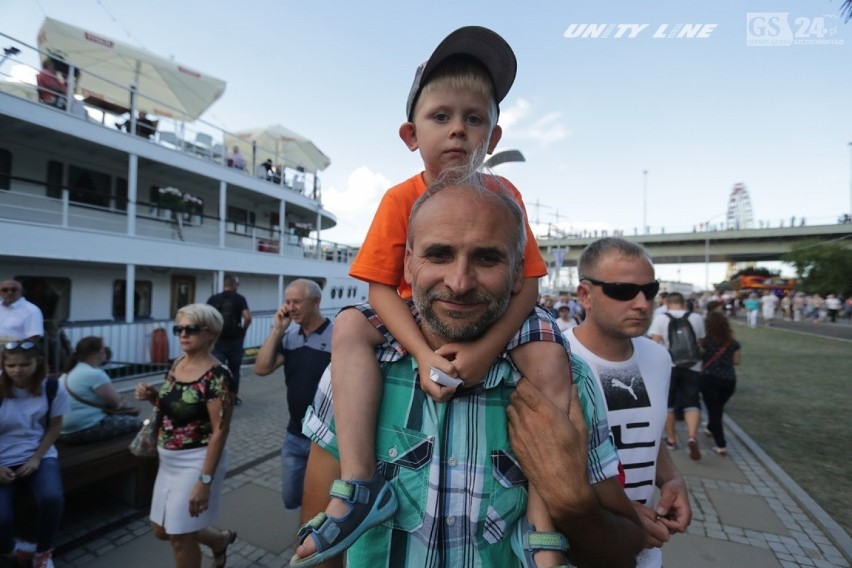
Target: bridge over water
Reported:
point(735, 245)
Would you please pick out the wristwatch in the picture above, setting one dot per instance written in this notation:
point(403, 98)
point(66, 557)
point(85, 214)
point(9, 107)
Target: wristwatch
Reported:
point(205, 479)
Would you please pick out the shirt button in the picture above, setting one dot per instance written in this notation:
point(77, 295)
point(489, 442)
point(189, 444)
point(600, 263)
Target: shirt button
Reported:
point(451, 521)
point(392, 452)
point(452, 462)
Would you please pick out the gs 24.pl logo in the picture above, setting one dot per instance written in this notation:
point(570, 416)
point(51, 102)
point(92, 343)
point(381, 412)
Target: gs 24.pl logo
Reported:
point(778, 29)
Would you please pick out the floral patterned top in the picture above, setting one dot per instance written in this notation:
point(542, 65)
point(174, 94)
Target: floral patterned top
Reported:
point(183, 408)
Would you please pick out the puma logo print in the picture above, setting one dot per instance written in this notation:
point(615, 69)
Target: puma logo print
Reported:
point(629, 388)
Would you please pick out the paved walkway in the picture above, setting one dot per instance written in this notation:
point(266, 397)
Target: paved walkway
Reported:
point(747, 513)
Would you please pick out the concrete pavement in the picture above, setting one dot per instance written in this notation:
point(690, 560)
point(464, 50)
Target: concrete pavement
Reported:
point(747, 514)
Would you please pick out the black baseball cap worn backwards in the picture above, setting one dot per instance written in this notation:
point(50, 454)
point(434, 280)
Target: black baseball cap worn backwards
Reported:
point(481, 44)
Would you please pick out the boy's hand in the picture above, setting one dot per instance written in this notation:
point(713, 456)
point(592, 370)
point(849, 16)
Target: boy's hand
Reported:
point(438, 392)
point(470, 360)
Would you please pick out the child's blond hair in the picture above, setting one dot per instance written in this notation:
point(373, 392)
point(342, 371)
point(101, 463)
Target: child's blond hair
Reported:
point(462, 73)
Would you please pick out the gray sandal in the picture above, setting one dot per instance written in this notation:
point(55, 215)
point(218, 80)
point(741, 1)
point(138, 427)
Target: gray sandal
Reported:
point(526, 541)
point(370, 504)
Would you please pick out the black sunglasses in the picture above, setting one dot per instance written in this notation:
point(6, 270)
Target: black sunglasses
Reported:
point(24, 345)
point(193, 329)
point(8, 290)
point(625, 292)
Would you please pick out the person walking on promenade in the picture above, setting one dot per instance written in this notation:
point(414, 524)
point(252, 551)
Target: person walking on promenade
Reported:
point(31, 410)
point(451, 119)
point(768, 304)
point(683, 342)
point(617, 289)
point(236, 315)
point(463, 261)
point(833, 305)
point(304, 350)
point(718, 376)
point(196, 403)
point(19, 318)
point(752, 308)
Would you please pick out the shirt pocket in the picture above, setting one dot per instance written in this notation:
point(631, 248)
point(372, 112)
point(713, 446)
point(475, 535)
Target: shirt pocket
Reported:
point(507, 496)
point(405, 455)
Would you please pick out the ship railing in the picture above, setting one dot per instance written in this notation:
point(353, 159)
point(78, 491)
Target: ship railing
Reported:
point(132, 344)
point(26, 202)
point(204, 140)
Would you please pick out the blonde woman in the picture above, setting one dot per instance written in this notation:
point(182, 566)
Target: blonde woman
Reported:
point(196, 401)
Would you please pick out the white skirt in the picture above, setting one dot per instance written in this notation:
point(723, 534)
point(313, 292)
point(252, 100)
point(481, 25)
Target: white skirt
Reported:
point(177, 475)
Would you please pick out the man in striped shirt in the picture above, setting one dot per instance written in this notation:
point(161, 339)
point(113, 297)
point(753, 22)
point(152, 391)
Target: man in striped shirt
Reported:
point(460, 488)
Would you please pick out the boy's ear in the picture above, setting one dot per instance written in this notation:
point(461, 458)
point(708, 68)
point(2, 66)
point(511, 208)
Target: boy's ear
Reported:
point(496, 135)
point(408, 133)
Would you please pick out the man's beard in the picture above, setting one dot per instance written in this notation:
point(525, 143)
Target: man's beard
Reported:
point(495, 306)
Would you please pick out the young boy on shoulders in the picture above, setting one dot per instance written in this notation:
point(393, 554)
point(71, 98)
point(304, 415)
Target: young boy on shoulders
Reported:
point(452, 112)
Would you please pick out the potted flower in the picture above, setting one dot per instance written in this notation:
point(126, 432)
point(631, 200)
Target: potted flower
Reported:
point(193, 206)
point(170, 198)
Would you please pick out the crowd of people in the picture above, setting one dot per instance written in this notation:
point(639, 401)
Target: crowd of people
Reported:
point(463, 421)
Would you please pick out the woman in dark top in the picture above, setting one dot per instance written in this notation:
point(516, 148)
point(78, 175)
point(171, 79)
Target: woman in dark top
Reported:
point(718, 376)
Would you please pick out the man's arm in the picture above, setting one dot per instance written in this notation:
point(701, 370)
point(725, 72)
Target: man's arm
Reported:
point(246, 319)
point(673, 509)
point(552, 448)
point(269, 357)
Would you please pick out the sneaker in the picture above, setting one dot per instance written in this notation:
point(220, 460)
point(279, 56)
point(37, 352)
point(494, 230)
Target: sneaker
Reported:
point(694, 452)
point(721, 451)
point(43, 559)
point(238, 402)
point(671, 444)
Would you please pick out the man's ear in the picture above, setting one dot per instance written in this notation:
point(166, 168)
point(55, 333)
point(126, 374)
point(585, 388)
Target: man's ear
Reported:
point(408, 133)
point(518, 283)
point(405, 262)
point(496, 135)
point(584, 295)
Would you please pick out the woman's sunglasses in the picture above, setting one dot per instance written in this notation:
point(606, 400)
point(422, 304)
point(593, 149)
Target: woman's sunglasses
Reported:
point(625, 292)
point(23, 345)
point(193, 329)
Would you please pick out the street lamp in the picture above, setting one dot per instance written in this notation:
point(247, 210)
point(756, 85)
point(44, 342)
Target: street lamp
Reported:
point(707, 250)
point(850, 179)
point(645, 201)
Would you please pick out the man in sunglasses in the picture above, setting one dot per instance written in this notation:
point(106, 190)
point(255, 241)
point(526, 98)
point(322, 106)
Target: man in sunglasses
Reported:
point(18, 317)
point(683, 392)
point(617, 289)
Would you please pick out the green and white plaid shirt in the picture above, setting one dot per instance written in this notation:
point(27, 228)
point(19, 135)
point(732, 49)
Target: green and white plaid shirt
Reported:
point(459, 485)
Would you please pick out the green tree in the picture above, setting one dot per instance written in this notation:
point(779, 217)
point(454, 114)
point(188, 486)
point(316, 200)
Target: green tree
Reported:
point(846, 9)
point(822, 267)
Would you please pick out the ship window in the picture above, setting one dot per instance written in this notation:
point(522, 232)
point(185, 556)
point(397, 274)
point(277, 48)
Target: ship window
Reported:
point(240, 220)
point(5, 169)
point(54, 179)
point(51, 295)
point(121, 194)
point(141, 299)
point(88, 186)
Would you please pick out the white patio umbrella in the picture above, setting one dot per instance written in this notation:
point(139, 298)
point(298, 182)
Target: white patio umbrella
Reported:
point(281, 145)
point(175, 90)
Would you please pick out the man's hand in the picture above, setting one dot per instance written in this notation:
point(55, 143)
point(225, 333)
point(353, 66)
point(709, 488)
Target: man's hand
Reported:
point(144, 391)
point(470, 360)
point(673, 509)
point(656, 533)
point(551, 445)
point(30, 467)
point(7, 476)
point(282, 319)
point(439, 392)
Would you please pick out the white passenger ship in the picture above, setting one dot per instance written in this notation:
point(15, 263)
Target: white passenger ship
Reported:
point(111, 231)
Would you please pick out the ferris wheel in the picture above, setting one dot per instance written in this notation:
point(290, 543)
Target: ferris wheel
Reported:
point(739, 208)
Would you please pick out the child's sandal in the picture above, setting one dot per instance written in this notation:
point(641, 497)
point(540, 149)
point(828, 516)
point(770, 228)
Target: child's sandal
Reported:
point(527, 541)
point(370, 504)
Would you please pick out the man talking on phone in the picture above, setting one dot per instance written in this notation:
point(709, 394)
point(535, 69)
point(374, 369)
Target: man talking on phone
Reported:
point(304, 350)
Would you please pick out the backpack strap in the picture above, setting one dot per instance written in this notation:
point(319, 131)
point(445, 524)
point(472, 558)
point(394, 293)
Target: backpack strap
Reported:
point(50, 390)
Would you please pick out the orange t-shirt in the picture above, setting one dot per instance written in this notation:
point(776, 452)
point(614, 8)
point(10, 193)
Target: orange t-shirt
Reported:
point(382, 255)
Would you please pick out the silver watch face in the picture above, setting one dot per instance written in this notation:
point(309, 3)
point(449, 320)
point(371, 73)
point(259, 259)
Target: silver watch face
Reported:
point(205, 479)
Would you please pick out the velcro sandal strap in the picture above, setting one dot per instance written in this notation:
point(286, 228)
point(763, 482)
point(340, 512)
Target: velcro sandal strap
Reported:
point(534, 540)
point(310, 526)
point(350, 492)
